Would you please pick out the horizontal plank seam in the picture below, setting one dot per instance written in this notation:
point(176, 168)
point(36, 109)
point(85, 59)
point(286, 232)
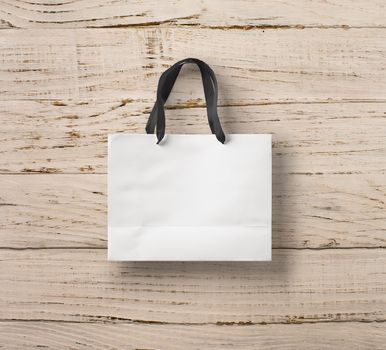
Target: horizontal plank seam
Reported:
point(58, 172)
point(271, 103)
point(191, 105)
point(172, 24)
point(218, 323)
point(274, 248)
point(243, 27)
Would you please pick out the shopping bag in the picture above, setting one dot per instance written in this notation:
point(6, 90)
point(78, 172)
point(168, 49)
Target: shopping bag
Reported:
point(189, 197)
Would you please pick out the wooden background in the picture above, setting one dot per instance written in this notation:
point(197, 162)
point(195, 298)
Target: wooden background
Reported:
point(312, 73)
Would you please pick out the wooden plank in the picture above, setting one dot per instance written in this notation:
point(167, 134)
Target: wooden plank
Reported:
point(286, 65)
point(54, 335)
point(319, 91)
point(309, 211)
point(324, 138)
point(275, 13)
point(297, 286)
point(328, 168)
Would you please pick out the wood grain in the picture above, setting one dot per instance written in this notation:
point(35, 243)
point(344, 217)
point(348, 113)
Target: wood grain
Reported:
point(216, 13)
point(309, 211)
point(329, 184)
point(311, 73)
point(318, 138)
point(297, 286)
point(277, 65)
point(29, 335)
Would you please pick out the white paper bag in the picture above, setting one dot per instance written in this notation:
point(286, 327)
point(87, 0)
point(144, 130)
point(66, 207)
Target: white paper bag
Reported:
point(190, 197)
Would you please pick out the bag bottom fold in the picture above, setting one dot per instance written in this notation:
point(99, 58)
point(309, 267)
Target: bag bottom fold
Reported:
point(189, 243)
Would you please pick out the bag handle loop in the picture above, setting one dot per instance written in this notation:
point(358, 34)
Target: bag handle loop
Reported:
point(166, 82)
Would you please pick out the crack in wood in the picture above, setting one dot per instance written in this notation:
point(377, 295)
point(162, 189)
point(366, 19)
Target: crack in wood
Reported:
point(122, 320)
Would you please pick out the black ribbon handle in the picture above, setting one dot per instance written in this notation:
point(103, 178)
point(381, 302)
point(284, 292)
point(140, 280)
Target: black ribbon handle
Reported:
point(166, 82)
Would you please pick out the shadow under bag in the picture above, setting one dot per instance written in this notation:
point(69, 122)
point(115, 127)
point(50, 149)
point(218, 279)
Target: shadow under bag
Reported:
point(189, 197)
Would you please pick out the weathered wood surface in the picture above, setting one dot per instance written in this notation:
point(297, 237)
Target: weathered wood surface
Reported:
point(318, 138)
point(329, 184)
point(297, 286)
point(309, 211)
point(343, 336)
point(311, 73)
point(215, 13)
point(252, 66)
